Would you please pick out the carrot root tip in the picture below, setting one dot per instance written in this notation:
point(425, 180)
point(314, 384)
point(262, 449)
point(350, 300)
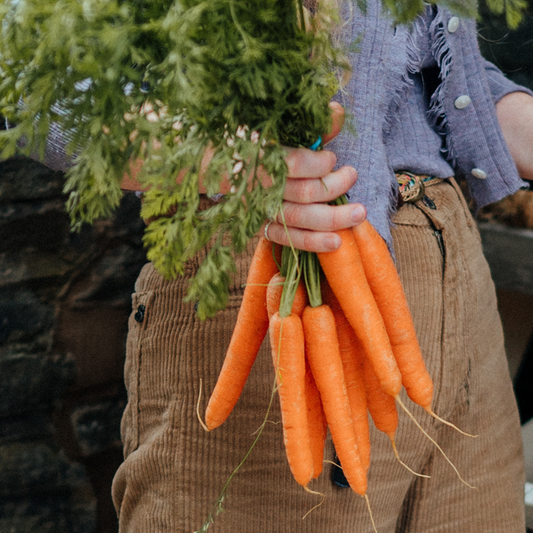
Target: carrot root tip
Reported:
point(333, 463)
point(370, 513)
point(323, 496)
point(401, 404)
point(437, 417)
point(403, 464)
point(202, 423)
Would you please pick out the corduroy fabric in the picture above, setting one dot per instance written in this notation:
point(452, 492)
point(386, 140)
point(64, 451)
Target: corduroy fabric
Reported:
point(173, 470)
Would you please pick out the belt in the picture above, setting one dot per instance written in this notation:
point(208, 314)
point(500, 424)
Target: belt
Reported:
point(412, 187)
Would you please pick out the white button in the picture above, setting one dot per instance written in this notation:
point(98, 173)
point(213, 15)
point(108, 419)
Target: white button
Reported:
point(462, 101)
point(478, 173)
point(453, 24)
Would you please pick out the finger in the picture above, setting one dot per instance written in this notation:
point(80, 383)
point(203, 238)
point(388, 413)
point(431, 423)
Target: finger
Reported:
point(338, 122)
point(309, 241)
point(321, 217)
point(335, 184)
point(305, 163)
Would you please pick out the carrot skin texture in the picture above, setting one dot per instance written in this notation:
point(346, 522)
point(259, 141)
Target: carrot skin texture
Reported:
point(250, 330)
point(322, 350)
point(388, 292)
point(381, 406)
point(317, 422)
point(345, 274)
point(288, 355)
point(352, 364)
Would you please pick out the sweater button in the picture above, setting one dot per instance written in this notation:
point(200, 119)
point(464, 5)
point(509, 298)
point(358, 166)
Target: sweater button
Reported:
point(463, 101)
point(479, 174)
point(453, 24)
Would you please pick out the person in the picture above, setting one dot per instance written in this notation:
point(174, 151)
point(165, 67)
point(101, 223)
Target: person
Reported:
point(429, 112)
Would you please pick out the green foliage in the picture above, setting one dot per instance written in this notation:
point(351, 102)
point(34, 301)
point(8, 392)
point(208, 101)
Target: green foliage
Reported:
point(164, 81)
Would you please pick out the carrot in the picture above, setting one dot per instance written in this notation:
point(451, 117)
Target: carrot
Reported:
point(381, 406)
point(345, 274)
point(317, 421)
point(387, 289)
point(287, 342)
point(352, 364)
point(248, 334)
point(273, 296)
point(323, 354)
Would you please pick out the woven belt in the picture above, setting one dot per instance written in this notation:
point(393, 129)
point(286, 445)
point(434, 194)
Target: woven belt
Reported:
point(413, 186)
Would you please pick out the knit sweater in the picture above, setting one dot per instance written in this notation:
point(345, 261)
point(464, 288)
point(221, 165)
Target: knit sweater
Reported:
point(422, 99)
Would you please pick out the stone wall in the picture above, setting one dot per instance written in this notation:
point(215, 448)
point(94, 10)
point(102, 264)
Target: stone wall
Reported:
point(64, 303)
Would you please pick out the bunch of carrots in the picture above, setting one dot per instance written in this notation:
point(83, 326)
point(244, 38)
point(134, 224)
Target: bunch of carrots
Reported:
point(343, 345)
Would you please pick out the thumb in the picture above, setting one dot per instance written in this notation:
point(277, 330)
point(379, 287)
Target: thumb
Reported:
point(338, 122)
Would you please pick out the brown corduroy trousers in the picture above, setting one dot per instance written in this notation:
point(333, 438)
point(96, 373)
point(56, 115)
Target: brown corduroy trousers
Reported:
point(174, 470)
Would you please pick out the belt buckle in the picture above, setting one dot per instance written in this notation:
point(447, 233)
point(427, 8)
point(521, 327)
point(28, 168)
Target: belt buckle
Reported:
point(411, 186)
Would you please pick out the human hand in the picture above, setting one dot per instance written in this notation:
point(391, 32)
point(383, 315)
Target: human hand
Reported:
point(515, 115)
point(307, 222)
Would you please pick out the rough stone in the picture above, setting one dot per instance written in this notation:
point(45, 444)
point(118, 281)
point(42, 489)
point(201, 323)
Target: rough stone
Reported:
point(97, 425)
point(32, 467)
point(24, 179)
point(43, 225)
point(25, 428)
point(22, 316)
point(30, 266)
point(33, 381)
point(111, 279)
point(70, 508)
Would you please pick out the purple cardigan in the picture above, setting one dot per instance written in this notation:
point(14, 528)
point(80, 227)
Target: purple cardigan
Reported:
point(451, 130)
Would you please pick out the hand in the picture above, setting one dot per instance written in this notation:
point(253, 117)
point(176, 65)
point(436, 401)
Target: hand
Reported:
point(309, 222)
point(515, 115)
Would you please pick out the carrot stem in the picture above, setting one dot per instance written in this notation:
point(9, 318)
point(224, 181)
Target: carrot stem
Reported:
point(292, 278)
point(311, 271)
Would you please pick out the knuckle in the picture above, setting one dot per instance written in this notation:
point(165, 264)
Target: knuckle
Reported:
point(308, 241)
point(290, 213)
point(305, 191)
point(332, 158)
point(337, 219)
point(294, 162)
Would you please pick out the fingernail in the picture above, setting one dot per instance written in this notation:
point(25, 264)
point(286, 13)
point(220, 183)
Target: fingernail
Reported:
point(353, 173)
point(358, 213)
point(332, 242)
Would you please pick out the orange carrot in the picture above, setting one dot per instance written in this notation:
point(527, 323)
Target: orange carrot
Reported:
point(345, 274)
point(387, 289)
point(248, 334)
point(381, 406)
point(323, 354)
point(317, 421)
point(273, 296)
point(352, 363)
point(287, 342)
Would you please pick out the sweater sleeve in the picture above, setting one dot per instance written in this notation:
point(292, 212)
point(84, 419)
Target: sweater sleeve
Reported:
point(499, 84)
